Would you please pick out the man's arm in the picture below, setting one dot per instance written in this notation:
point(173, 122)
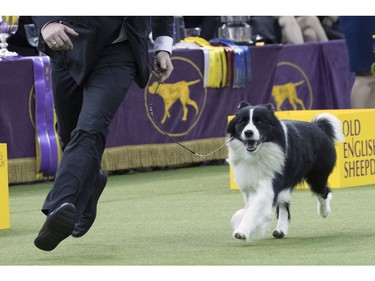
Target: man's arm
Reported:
point(162, 32)
point(54, 34)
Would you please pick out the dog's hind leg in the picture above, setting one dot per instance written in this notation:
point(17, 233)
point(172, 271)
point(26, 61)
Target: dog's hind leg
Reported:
point(283, 214)
point(283, 219)
point(323, 193)
point(324, 205)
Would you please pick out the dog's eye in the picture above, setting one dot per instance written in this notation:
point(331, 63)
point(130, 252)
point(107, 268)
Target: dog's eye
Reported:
point(244, 121)
point(257, 120)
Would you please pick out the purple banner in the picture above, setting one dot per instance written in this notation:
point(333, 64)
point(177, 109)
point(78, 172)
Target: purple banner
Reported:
point(17, 108)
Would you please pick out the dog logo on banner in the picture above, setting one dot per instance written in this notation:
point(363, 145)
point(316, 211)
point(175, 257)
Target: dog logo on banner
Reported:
point(178, 104)
point(295, 91)
point(171, 93)
point(287, 91)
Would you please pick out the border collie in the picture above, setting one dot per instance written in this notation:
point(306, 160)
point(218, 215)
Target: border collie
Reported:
point(269, 157)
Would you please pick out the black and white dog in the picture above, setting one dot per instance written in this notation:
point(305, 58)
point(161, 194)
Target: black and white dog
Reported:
point(269, 157)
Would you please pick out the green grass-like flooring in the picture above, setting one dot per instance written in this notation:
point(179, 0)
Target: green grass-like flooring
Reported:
point(182, 217)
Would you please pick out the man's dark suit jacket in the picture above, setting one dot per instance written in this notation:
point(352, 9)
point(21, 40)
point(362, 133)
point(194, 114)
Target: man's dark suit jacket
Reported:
point(96, 32)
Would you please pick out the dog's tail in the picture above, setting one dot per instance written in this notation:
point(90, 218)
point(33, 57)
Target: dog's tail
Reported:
point(331, 125)
point(189, 83)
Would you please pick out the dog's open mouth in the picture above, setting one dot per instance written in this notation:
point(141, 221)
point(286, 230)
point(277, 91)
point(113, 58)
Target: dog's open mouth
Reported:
point(253, 145)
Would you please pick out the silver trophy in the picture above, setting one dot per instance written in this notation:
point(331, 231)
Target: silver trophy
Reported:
point(235, 28)
point(8, 26)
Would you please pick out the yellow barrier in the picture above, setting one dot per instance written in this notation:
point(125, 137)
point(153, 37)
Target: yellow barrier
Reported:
point(355, 164)
point(4, 188)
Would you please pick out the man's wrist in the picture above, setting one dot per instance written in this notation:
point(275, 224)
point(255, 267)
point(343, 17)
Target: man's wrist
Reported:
point(163, 43)
point(57, 21)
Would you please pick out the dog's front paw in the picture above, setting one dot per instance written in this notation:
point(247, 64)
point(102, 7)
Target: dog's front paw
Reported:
point(240, 235)
point(277, 233)
point(237, 218)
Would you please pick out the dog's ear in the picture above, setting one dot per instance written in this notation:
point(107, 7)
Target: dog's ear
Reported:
point(270, 107)
point(243, 104)
point(231, 129)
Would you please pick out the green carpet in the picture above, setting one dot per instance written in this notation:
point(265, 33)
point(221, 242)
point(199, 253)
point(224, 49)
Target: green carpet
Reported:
point(182, 217)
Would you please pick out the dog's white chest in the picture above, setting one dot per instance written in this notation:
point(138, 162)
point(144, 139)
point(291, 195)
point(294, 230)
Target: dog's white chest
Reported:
point(248, 175)
point(250, 169)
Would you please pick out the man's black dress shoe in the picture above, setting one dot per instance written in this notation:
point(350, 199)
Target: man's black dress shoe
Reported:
point(84, 222)
point(58, 226)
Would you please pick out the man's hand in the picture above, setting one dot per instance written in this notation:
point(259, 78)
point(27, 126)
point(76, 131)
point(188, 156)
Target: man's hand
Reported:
point(56, 35)
point(162, 66)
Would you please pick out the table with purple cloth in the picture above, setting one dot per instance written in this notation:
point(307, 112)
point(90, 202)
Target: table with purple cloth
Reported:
point(292, 77)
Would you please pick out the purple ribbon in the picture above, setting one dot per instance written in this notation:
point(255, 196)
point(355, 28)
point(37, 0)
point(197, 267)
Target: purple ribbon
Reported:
point(44, 115)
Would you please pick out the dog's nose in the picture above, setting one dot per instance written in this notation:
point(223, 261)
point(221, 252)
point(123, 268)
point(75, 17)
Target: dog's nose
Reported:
point(248, 133)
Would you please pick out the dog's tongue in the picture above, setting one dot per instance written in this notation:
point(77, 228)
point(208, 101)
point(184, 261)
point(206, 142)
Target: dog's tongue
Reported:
point(251, 145)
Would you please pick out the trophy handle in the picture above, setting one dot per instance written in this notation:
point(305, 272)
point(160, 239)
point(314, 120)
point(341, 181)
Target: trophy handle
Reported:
point(8, 26)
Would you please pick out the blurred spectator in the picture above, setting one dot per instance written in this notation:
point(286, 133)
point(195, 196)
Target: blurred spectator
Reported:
point(358, 32)
point(267, 27)
point(288, 29)
point(331, 26)
point(208, 25)
point(291, 32)
point(312, 29)
point(300, 29)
